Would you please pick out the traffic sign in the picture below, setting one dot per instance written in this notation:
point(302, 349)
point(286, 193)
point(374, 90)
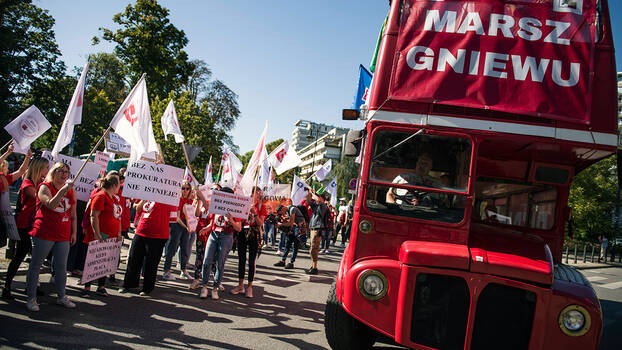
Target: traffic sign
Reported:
point(352, 184)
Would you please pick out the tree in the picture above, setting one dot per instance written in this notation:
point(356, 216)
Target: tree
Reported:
point(29, 55)
point(592, 198)
point(147, 42)
point(345, 170)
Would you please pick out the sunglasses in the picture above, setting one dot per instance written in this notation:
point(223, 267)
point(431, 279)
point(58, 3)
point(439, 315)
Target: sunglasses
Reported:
point(185, 188)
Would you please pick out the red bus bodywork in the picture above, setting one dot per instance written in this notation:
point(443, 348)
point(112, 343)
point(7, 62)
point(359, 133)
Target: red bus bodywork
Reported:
point(510, 137)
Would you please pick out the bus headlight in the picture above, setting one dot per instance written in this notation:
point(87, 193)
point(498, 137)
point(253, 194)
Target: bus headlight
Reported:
point(574, 320)
point(373, 285)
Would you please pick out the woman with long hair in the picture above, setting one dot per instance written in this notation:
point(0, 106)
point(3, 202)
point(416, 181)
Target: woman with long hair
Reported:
point(179, 236)
point(54, 229)
point(25, 217)
point(105, 220)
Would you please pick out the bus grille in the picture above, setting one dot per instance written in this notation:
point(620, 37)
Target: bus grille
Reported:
point(440, 311)
point(504, 318)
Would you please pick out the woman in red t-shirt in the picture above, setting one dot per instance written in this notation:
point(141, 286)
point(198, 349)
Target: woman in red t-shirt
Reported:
point(54, 230)
point(249, 238)
point(152, 232)
point(201, 207)
point(105, 220)
point(25, 216)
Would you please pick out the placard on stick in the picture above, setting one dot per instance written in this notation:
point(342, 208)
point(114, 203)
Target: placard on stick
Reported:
point(86, 182)
point(153, 182)
point(237, 205)
point(101, 259)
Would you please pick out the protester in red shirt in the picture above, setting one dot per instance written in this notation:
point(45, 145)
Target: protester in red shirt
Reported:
point(54, 229)
point(221, 229)
point(105, 220)
point(126, 203)
point(249, 238)
point(151, 235)
point(201, 207)
point(25, 216)
point(179, 236)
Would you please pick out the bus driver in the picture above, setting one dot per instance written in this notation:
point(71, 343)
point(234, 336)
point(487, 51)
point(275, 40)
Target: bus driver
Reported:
point(421, 178)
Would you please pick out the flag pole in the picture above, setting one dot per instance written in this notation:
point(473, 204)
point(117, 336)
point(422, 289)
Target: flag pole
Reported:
point(93, 151)
point(219, 170)
point(6, 144)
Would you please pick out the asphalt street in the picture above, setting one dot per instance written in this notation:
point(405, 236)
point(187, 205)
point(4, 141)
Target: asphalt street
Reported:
point(287, 312)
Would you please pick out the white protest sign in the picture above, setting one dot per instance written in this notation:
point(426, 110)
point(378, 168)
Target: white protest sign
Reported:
point(191, 219)
point(236, 205)
point(206, 190)
point(153, 182)
point(86, 183)
point(48, 155)
point(116, 144)
point(101, 259)
point(282, 190)
point(7, 217)
point(101, 159)
point(18, 149)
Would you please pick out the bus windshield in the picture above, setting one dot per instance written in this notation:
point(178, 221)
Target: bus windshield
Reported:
point(411, 175)
point(499, 201)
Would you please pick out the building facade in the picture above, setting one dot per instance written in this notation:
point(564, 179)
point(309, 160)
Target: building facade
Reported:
point(306, 132)
point(317, 143)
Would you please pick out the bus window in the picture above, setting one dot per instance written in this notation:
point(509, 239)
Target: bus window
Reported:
point(405, 165)
point(499, 201)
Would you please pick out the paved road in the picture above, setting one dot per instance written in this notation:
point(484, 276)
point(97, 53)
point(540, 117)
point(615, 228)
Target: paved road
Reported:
point(286, 313)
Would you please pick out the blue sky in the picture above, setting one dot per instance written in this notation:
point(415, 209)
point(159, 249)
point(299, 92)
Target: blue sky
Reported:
point(286, 60)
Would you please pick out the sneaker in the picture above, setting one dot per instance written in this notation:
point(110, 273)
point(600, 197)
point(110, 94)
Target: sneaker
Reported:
point(68, 274)
point(221, 288)
point(215, 294)
point(143, 294)
point(101, 292)
point(311, 271)
point(204, 292)
point(185, 275)
point(278, 252)
point(327, 251)
point(168, 277)
point(280, 263)
point(32, 305)
point(289, 266)
point(123, 290)
point(249, 292)
point(195, 284)
point(64, 301)
point(237, 290)
point(85, 293)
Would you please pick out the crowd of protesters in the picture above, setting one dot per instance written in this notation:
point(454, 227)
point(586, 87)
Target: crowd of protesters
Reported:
point(54, 225)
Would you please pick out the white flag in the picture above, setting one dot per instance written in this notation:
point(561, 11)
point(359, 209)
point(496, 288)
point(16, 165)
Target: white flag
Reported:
point(208, 179)
point(321, 174)
point(170, 124)
point(27, 127)
point(299, 190)
point(263, 178)
point(258, 157)
point(133, 122)
point(235, 162)
point(332, 189)
point(284, 158)
point(230, 174)
point(189, 176)
point(73, 115)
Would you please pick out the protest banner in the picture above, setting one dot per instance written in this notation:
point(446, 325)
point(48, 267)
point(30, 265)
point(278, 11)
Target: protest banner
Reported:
point(7, 217)
point(101, 259)
point(27, 127)
point(191, 219)
point(116, 144)
point(101, 159)
point(153, 182)
point(207, 191)
point(236, 205)
point(86, 182)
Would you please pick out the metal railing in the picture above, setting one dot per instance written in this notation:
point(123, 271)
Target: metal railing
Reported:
point(590, 252)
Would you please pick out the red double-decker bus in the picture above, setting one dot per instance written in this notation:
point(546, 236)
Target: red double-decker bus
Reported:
point(481, 113)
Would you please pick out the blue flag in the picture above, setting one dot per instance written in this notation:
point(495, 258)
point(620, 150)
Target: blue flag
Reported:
point(362, 92)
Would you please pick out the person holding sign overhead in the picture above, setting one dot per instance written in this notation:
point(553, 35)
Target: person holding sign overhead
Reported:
point(105, 220)
point(25, 216)
point(54, 229)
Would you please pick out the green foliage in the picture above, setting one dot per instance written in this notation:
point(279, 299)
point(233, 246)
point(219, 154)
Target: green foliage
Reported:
point(28, 54)
point(345, 170)
point(147, 42)
point(592, 197)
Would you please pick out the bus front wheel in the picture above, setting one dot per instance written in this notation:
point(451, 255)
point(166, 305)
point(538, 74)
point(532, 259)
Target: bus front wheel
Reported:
point(343, 331)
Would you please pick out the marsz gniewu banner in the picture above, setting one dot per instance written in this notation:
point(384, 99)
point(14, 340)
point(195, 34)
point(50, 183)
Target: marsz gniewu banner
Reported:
point(525, 57)
point(153, 182)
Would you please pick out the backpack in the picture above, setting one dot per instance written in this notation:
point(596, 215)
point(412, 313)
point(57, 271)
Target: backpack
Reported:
point(304, 212)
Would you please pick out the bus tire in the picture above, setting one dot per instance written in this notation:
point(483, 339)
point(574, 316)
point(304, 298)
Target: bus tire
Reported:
point(343, 331)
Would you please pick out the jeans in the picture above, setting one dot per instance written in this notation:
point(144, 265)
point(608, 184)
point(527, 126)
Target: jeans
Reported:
point(268, 233)
point(40, 249)
point(282, 241)
point(178, 238)
point(292, 239)
point(325, 243)
point(218, 244)
point(144, 251)
point(184, 254)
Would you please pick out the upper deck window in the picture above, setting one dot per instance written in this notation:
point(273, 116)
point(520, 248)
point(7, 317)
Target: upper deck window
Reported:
point(421, 174)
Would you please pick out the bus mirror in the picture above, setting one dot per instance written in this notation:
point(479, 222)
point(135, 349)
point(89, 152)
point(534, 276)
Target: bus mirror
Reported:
point(353, 143)
point(350, 114)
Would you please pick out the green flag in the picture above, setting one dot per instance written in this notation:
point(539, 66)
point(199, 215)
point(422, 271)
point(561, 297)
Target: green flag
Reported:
point(372, 65)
